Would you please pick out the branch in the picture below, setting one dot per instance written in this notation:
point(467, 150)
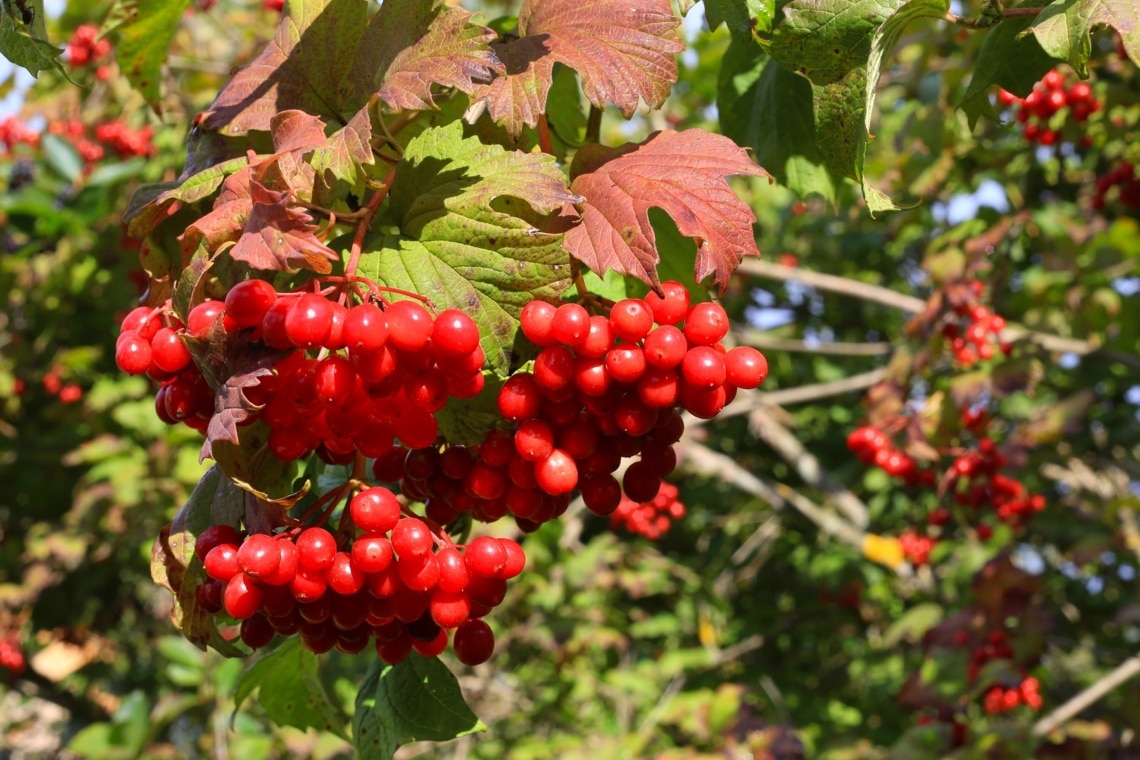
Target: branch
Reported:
point(758, 339)
point(1110, 681)
point(777, 495)
point(833, 283)
point(746, 401)
point(769, 430)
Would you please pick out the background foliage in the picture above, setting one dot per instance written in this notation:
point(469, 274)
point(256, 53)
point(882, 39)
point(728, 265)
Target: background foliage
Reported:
point(755, 625)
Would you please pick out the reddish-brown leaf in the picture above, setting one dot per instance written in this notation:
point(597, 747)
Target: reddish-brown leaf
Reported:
point(682, 173)
point(411, 45)
point(623, 49)
point(307, 66)
point(280, 237)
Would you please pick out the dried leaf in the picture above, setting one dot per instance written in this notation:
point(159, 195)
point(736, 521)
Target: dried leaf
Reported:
point(279, 237)
point(623, 50)
point(680, 172)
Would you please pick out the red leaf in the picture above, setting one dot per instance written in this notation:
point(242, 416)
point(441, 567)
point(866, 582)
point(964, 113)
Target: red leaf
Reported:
point(280, 237)
point(623, 49)
point(305, 66)
point(683, 174)
point(412, 44)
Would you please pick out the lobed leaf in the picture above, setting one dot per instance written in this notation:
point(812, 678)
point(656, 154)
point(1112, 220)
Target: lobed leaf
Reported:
point(1008, 58)
point(411, 45)
point(144, 37)
point(290, 691)
point(622, 49)
point(1064, 29)
point(825, 40)
point(308, 65)
point(741, 18)
point(680, 172)
point(768, 109)
point(27, 46)
point(416, 700)
point(280, 237)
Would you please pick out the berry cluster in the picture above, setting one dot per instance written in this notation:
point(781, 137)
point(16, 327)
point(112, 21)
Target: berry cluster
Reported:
point(917, 548)
point(86, 47)
point(53, 383)
point(972, 329)
point(999, 698)
point(12, 656)
point(872, 446)
point(1119, 185)
point(1051, 96)
point(390, 578)
point(651, 519)
point(14, 132)
point(976, 482)
point(151, 341)
point(125, 141)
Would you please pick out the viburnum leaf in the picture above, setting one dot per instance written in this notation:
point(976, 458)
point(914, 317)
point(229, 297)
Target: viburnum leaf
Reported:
point(826, 39)
point(27, 45)
point(307, 65)
point(622, 49)
point(144, 36)
point(476, 232)
point(680, 172)
point(280, 237)
point(411, 45)
point(152, 204)
point(174, 566)
point(340, 160)
point(290, 690)
point(1009, 57)
point(770, 110)
point(1064, 29)
point(416, 700)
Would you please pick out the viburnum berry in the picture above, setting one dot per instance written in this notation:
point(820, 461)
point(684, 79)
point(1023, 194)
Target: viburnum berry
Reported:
point(537, 322)
point(317, 549)
point(473, 642)
point(672, 306)
point(247, 302)
point(410, 325)
point(309, 321)
point(411, 538)
point(455, 334)
point(631, 319)
point(570, 324)
point(706, 324)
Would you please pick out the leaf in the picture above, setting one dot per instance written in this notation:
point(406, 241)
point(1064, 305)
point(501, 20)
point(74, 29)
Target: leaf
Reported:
point(623, 51)
point(411, 45)
point(341, 159)
point(769, 109)
point(741, 17)
point(825, 40)
point(174, 565)
point(1007, 58)
point(680, 172)
point(307, 66)
point(279, 237)
point(30, 51)
point(290, 691)
point(913, 624)
point(62, 157)
point(416, 700)
point(1064, 29)
point(144, 39)
point(887, 36)
point(150, 205)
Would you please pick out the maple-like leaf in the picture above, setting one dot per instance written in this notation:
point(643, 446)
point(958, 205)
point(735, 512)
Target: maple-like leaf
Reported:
point(307, 65)
point(682, 173)
point(623, 49)
point(280, 237)
point(411, 45)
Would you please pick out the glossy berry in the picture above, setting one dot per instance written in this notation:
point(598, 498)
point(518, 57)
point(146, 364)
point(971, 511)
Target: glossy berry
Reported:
point(375, 510)
point(247, 302)
point(309, 321)
point(409, 325)
point(671, 307)
point(474, 642)
point(455, 334)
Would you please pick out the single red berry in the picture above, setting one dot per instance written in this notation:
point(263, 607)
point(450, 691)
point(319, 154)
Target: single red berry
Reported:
point(706, 324)
point(474, 642)
point(631, 319)
point(317, 548)
point(409, 325)
point(375, 510)
point(537, 322)
point(571, 324)
point(309, 321)
point(455, 334)
point(247, 302)
point(672, 306)
point(411, 537)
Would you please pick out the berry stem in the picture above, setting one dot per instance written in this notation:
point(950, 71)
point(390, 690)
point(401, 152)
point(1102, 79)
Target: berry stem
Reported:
point(362, 227)
point(544, 136)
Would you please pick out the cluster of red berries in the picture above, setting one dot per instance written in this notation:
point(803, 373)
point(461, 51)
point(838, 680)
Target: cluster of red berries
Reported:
point(998, 698)
point(12, 655)
point(1119, 185)
point(978, 483)
point(651, 519)
point(872, 446)
point(389, 579)
point(14, 132)
point(125, 141)
point(1050, 96)
point(973, 330)
point(86, 47)
point(917, 548)
point(400, 366)
point(53, 383)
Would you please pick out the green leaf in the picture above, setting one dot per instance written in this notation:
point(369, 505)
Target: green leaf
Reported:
point(290, 690)
point(766, 107)
point(25, 45)
point(825, 40)
point(1064, 29)
point(741, 17)
point(913, 624)
point(469, 235)
point(62, 157)
point(887, 36)
point(417, 700)
point(1009, 59)
point(144, 38)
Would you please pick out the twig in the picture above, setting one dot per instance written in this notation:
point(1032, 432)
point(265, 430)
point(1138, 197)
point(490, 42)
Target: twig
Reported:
point(832, 283)
point(594, 125)
point(784, 443)
point(757, 339)
point(365, 221)
point(1122, 673)
point(747, 401)
point(778, 495)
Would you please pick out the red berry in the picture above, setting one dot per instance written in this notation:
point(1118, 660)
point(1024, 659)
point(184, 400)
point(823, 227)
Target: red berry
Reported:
point(474, 642)
point(316, 548)
point(557, 473)
point(537, 322)
point(745, 367)
point(455, 334)
point(409, 325)
point(309, 321)
point(411, 538)
point(375, 510)
point(706, 324)
point(671, 307)
point(571, 324)
point(247, 302)
point(631, 319)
